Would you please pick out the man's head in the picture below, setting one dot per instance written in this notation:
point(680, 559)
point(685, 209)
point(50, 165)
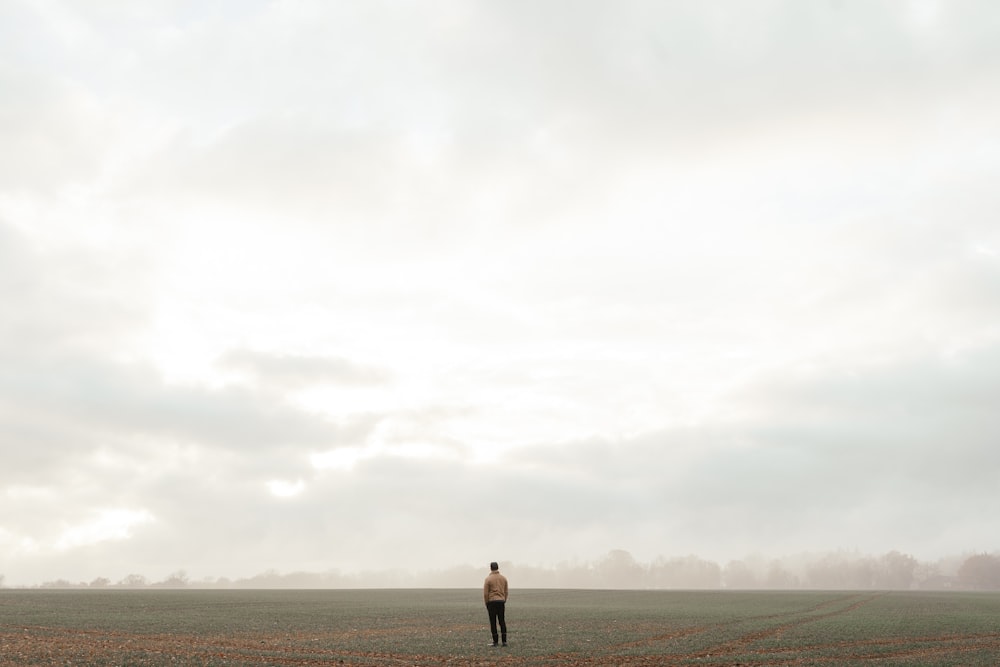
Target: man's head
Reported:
point(494, 567)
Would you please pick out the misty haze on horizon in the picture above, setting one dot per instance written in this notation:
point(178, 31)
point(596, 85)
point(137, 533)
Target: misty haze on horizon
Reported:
point(618, 569)
point(345, 287)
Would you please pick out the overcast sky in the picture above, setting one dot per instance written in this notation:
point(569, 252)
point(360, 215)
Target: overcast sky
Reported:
point(365, 285)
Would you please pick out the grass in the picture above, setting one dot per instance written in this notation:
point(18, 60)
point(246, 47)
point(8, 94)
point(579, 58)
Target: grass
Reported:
point(547, 627)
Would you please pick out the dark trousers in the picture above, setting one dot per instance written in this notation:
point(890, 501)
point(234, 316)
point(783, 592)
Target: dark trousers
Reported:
point(495, 609)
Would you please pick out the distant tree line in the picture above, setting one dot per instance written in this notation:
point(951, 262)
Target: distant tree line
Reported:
point(619, 570)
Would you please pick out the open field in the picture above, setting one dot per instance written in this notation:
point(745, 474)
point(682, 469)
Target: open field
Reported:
point(449, 627)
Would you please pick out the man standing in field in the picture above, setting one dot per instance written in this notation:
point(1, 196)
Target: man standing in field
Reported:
point(495, 597)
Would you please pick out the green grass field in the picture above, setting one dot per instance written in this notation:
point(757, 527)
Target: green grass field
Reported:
point(449, 627)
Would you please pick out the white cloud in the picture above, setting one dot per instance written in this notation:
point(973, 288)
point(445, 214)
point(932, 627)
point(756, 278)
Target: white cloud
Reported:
point(108, 525)
point(293, 371)
point(342, 458)
point(282, 488)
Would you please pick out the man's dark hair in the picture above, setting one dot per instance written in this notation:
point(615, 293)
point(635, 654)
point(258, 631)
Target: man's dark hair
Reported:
point(494, 567)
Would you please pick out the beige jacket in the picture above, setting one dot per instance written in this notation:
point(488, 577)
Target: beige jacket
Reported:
point(495, 587)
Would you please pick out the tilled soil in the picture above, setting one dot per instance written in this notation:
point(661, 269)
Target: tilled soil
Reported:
point(574, 630)
point(28, 646)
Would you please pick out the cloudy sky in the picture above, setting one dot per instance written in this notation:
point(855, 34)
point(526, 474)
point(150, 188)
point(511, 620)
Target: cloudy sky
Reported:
point(315, 285)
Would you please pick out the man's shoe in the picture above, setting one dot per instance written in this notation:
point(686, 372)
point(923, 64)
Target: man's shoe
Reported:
point(504, 644)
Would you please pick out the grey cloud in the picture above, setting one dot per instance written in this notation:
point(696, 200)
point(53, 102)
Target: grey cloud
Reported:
point(66, 299)
point(928, 388)
point(54, 133)
point(527, 63)
point(388, 512)
point(902, 452)
point(17, 276)
point(409, 507)
point(85, 432)
point(889, 445)
point(102, 398)
point(64, 315)
point(643, 70)
point(289, 371)
point(601, 85)
point(93, 436)
point(94, 430)
point(679, 66)
point(800, 482)
point(286, 162)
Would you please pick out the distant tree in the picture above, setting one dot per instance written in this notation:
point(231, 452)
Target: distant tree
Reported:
point(685, 572)
point(779, 577)
point(268, 579)
point(133, 581)
point(927, 574)
point(829, 572)
point(565, 575)
point(980, 571)
point(303, 580)
point(863, 572)
point(842, 571)
point(620, 570)
point(896, 571)
point(178, 579)
point(738, 574)
point(100, 582)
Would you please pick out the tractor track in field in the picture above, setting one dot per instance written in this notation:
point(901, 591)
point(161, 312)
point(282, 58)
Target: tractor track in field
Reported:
point(799, 617)
point(724, 653)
